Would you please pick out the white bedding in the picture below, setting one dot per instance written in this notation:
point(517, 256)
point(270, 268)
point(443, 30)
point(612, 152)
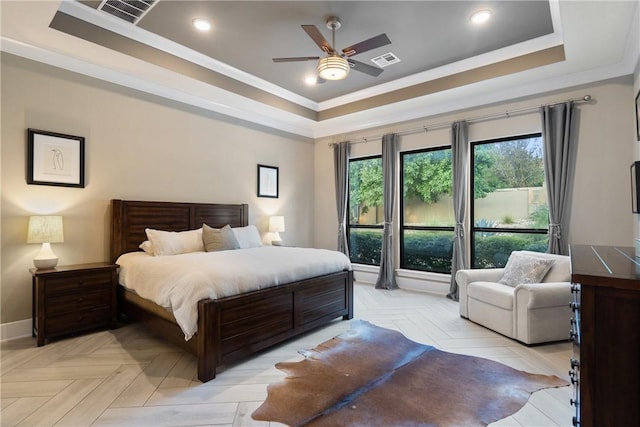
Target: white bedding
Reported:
point(178, 282)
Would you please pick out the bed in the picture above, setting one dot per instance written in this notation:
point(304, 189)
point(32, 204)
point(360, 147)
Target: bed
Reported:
point(230, 328)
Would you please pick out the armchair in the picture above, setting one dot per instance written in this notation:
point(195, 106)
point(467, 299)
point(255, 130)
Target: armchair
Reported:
point(531, 313)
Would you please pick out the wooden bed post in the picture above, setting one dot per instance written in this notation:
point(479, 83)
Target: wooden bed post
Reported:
point(349, 301)
point(208, 337)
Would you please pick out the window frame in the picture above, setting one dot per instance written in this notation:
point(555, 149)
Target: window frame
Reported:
point(472, 228)
point(402, 226)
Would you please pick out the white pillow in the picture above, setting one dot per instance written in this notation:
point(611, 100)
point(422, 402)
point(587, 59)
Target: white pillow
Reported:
point(522, 269)
point(147, 247)
point(174, 243)
point(248, 237)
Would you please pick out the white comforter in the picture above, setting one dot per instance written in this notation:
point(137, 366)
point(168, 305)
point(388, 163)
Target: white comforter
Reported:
point(178, 282)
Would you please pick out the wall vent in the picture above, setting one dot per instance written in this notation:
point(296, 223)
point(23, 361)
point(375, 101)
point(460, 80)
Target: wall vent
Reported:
point(128, 10)
point(385, 59)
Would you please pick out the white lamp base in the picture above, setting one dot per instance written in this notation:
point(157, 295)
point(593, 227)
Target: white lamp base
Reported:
point(276, 240)
point(46, 258)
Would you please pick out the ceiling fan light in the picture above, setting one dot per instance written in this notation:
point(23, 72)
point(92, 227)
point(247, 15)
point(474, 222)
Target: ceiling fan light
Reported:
point(333, 68)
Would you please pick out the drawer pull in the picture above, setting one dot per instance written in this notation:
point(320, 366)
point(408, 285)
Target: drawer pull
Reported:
point(574, 336)
point(80, 299)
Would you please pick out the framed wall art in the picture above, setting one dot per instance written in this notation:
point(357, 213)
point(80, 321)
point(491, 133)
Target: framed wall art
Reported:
point(55, 159)
point(267, 181)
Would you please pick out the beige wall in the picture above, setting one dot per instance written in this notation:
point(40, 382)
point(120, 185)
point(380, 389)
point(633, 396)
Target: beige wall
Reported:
point(601, 206)
point(137, 147)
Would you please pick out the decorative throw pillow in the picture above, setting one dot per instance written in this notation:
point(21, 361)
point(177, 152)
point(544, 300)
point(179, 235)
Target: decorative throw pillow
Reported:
point(219, 239)
point(175, 242)
point(248, 237)
point(521, 269)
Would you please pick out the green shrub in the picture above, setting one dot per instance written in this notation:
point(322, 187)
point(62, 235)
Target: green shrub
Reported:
point(433, 250)
point(365, 246)
point(493, 251)
point(428, 251)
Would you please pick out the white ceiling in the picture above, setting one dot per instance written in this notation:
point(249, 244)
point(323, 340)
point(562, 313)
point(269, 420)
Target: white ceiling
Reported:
point(446, 64)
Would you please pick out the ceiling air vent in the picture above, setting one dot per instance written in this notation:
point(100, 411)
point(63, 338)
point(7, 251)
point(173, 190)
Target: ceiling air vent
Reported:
point(128, 10)
point(385, 59)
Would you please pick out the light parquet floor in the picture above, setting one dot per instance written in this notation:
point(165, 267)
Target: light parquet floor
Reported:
point(129, 377)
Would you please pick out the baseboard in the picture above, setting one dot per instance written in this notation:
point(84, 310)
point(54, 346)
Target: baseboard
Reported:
point(412, 280)
point(14, 330)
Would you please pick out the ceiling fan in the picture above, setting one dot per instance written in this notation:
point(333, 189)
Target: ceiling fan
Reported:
point(336, 66)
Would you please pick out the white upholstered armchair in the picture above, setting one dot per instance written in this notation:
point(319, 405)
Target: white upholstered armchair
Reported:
point(532, 312)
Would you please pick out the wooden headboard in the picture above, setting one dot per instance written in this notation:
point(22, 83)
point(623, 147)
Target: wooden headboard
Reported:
point(130, 218)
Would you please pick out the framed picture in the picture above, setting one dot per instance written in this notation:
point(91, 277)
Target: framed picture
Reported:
point(267, 181)
point(638, 116)
point(55, 159)
point(635, 187)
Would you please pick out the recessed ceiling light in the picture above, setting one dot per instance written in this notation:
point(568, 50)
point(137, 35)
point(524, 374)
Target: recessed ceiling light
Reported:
point(480, 16)
point(311, 80)
point(201, 24)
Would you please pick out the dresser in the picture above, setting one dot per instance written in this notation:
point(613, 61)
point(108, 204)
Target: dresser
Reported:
point(605, 367)
point(73, 298)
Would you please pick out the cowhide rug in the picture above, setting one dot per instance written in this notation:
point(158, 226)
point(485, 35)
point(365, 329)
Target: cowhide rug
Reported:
point(371, 376)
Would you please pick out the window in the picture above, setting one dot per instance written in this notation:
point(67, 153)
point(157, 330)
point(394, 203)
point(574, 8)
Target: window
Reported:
point(365, 214)
point(427, 227)
point(509, 208)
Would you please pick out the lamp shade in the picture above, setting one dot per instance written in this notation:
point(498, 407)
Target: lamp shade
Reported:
point(45, 229)
point(333, 67)
point(276, 224)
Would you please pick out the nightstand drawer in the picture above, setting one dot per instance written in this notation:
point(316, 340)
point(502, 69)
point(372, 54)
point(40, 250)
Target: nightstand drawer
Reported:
point(77, 302)
point(74, 322)
point(85, 282)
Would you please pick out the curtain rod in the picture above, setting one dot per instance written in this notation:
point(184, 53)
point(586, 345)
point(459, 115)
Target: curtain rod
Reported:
point(442, 125)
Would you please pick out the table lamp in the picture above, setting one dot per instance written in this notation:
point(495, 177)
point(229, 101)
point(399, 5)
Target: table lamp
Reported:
point(276, 225)
point(46, 230)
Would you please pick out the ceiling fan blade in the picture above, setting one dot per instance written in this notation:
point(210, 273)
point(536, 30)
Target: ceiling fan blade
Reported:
point(372, 43)
point(365, 68)
point(297, 59)
point(317, 37)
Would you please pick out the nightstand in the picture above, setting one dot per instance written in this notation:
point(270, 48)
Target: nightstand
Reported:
point(73, 298)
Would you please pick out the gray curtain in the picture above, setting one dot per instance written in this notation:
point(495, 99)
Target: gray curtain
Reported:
point(341, 167)
point(459, 154)
point(386, 276)
point(557, 122)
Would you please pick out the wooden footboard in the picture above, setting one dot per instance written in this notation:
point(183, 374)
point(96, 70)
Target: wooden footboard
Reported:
point(233, 328)
point(245, 324)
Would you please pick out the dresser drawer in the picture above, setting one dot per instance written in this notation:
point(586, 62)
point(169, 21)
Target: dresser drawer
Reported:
point(77, 302)
point(86, 282)
point(74, 322)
